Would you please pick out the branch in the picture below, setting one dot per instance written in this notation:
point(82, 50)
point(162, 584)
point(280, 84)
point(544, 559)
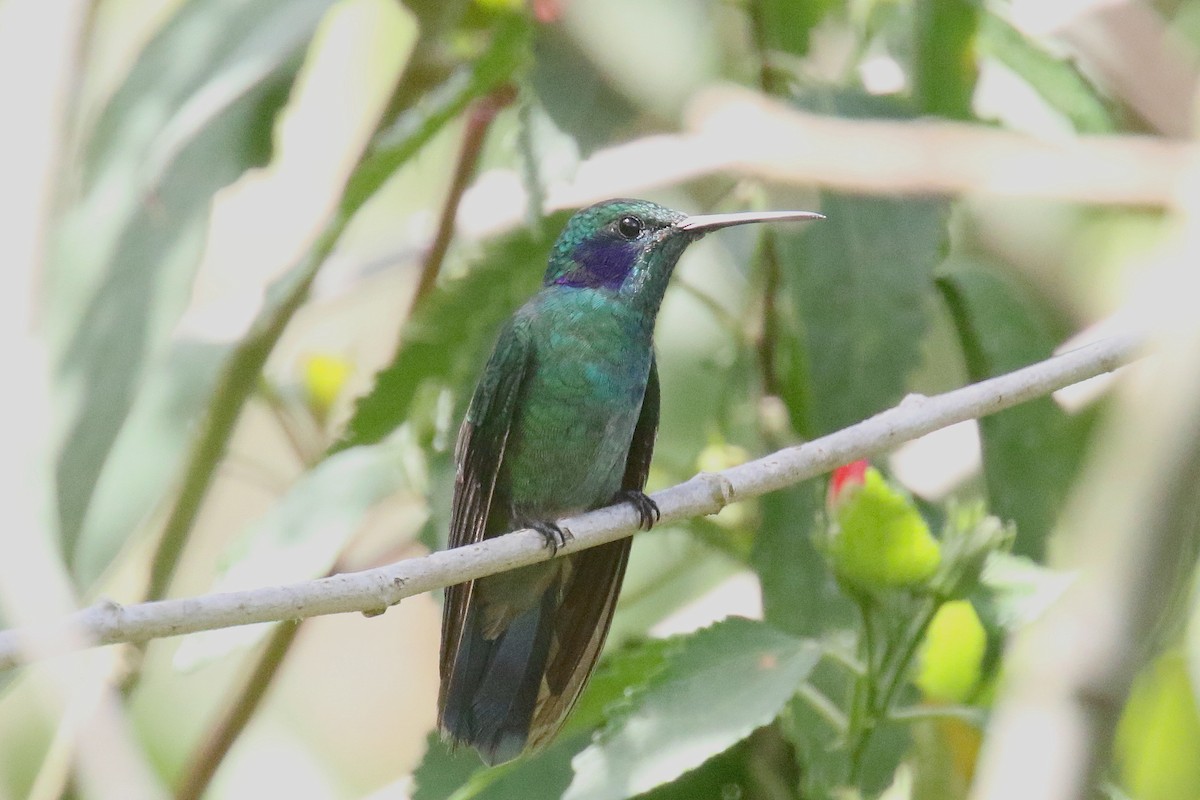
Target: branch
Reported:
point(479, 121)
point(767, 139)
point(738, 132)
point(372, 591)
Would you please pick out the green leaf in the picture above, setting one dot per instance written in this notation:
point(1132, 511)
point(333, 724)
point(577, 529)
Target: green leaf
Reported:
point(787, 25)
point(142, 465)
point(445, 343)
point(411, 130)
point(178, 381)
point(1057, 80)
point(1019, 590)
point(717, 686)
point(574, 93)
point(855, 294)
point(1031, 453)
point(1159, 732)
point(860, 282)
point(443, 770)
point(194, 113)
point(549, 771)
point(800, 595)
point(616, 678)
point(300, 537)
point(946, 67)
point(666, 571)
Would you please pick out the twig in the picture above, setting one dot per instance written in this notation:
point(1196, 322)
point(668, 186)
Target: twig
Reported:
point(864, 711)
point(968, 714)
point(301, 441)
point(737, 132)
point(707, 493)
point(234, 387)
point(767, 139)
point(825, 708)
point(766, 347)
point(237, 715)
point(479, 120)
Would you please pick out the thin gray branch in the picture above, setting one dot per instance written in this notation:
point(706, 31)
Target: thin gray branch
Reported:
point(372, 591)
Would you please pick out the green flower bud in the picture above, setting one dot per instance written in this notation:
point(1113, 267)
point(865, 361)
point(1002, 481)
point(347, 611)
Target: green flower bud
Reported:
point(952, 654)
point(878, 540)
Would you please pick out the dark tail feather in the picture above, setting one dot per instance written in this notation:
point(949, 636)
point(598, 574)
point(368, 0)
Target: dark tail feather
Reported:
point(493, 687)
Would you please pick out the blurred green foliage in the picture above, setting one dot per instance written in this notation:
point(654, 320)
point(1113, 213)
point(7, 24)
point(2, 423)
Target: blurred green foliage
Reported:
point(768, 339)
point(1032, 452)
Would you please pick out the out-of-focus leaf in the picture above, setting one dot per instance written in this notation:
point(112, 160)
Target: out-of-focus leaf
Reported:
point(300, 537)
point(364, 41)
point(446, 341)
point(861, 282)
point(544, 775)
point(945, 62)
point(1159, 734)
point(141, 465)
point(718, 686)
point(25, 736)
point(855, 294)
point(786, 25)
point(574, 94)
point(412, 129)
point(800, 595)
point(950, 662)
point(1192, 642)
point(656, 54)
point(942, 758)
point(666, 571)
point(1031, 453)
point(443, 770)
point(195, 112)
point(1057, 80)
point(1019, 590)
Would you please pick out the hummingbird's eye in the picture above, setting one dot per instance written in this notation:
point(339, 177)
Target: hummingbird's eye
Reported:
point(630, 227)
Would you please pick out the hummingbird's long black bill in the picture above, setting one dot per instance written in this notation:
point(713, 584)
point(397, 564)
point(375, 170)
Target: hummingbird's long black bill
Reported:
point(703, 223)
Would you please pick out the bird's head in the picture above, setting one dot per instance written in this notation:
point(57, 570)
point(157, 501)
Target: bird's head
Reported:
point(630, 247)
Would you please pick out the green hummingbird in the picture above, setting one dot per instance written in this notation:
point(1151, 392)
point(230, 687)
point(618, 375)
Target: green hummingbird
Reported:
point(563, 421)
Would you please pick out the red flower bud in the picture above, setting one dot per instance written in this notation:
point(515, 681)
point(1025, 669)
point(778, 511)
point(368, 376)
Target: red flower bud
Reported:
point(843, 478)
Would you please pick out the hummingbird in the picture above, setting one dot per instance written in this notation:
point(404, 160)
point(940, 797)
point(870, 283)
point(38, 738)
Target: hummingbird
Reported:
point(563, 421)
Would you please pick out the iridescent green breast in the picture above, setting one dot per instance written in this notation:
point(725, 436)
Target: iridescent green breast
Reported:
point(578, 407)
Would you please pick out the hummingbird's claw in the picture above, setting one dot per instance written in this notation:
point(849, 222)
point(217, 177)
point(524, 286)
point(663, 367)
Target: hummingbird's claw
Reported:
point(554, 535)
point(647, 509)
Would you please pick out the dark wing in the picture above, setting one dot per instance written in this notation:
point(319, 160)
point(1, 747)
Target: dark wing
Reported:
point(477, 458)
point(586, 611)
point(637, 465)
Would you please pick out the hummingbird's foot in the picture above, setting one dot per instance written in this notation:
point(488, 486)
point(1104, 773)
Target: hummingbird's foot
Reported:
point(647, 509)
point(554, 535)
